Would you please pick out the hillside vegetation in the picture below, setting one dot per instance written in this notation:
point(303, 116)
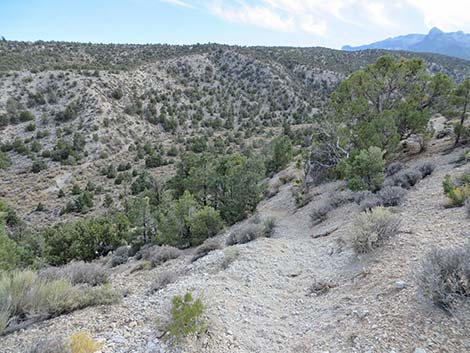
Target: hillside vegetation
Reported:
point(188, 191)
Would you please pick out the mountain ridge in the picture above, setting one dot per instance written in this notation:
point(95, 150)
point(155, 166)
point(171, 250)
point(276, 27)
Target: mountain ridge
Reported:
point(455, 44)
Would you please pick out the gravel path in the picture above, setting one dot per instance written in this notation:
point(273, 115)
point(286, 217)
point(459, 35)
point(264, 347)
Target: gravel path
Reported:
point(262, 302)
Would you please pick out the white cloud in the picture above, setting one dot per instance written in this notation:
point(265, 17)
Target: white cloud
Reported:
point(339, 21)
point(179, 3)
point(260, 16)
point(312, 17)
point(449, 15)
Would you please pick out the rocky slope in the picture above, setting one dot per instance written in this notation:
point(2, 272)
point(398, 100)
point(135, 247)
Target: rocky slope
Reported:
point(265, 301)
point(107, 101)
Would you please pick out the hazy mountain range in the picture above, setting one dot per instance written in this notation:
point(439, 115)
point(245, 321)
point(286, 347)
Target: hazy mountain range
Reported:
point(455, 44)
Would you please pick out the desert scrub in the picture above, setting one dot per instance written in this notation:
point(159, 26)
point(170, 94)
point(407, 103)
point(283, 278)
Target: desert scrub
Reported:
point(456, 192)
point(269, 227)
point(246, 234)
point(320, 212)
point(186, 317)
point(50, 345)
point(160, 254)
point(391, 195)
point(372, 229)
point(77, 273)
point(81, 342)
point(26, 298)
point(163, 279)
point(444, 276)
point(205, 248)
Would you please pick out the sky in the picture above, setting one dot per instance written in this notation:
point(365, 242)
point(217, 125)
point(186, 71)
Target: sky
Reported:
point(328, 23)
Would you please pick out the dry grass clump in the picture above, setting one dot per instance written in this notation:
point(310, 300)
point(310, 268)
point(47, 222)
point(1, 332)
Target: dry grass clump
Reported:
point(26, 298)
point(163, 279)
point(205, 248)
point(319, 288)
point(320, 212)
point(50, 345)
point(391, 195)
point(372, 229)
point(230, 255)
point(77, 273)
point(160, 254)
point(445, 276)
point(269, 227)
point(79, 342)
point(426, 169)
point(119, 256)
point(246, 234)
point(393, 168)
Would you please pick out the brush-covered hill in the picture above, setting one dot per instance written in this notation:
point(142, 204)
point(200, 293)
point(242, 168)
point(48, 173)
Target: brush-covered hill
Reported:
point(71, 113)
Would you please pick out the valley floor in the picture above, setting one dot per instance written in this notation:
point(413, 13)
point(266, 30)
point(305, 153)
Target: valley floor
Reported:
point(261, 302)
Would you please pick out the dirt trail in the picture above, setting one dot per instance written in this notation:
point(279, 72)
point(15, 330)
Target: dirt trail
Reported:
point(261, 302)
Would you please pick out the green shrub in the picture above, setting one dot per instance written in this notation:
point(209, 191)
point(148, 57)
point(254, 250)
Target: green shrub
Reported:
point(457, 193)
point(372, 229)
point(175, 222)
point(365, 171)
point(38, 166)
point(186, 317)
point(4, 160)
point(281, 154)
point(9, 253)
point(205, 223)
point(84, 239)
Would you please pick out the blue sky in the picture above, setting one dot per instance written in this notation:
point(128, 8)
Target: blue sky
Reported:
point(330, 23)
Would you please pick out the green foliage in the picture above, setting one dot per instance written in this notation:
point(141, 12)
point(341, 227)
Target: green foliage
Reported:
point(110, 171)
point(4, 160)
point(68, 152)
point(230, 184)
point(82, 203)
point(186, 317)
point(460, 101)
point(85, 239)
point(205, 223)
point(376, 106)
point(365, 171)
point(457, 192)
point(9, 253)
point(388, 86)
point(143, 217)
point(154, 160)
point(175, 220)
point(38, 166)
point(281, 154)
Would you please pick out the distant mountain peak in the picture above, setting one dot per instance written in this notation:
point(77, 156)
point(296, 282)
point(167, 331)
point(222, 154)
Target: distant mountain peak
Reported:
point(455, 44)
point(435, 31)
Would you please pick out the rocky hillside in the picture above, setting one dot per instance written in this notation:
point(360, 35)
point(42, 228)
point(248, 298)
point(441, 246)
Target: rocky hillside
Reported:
point(72, 113)
point(297, 290)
